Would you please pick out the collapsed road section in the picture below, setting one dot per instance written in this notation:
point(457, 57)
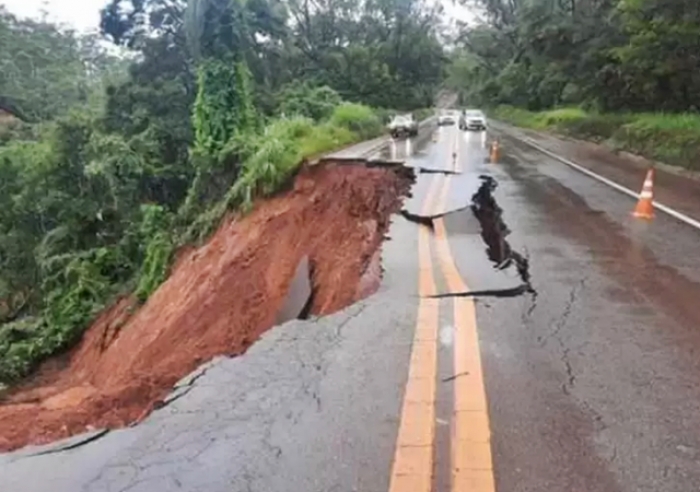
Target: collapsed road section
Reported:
point(308, 252)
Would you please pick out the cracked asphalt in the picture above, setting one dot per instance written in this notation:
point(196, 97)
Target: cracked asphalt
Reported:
point(592, 379)
point(594, 384)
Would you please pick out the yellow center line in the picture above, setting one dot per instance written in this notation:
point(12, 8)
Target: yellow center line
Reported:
point(412, 469)
point(413, 465)
point(472, 462)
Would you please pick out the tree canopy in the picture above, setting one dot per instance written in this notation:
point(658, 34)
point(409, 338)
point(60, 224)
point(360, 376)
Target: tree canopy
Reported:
point(608, 54)
point(46, 70)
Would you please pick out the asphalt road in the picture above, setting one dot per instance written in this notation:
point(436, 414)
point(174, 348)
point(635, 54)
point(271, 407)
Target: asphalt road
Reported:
point(591, 378)
point(594, 383)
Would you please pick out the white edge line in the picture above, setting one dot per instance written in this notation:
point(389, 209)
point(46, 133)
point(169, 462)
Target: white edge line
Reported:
point(668, 210)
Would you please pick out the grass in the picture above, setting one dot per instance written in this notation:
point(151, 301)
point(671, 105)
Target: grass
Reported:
point(287, 142)
point(540, 120)
point(361, 120)
point(669, 138)
point(275, 156)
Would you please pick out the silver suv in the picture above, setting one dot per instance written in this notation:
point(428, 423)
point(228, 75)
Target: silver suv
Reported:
point(472, 119)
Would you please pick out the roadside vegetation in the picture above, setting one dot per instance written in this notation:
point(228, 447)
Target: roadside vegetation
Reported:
point(619, 71)
point(109, 163)
point(664, 137)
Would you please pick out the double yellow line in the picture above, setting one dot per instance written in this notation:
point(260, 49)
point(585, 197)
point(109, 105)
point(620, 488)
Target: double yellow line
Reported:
point(471, 458)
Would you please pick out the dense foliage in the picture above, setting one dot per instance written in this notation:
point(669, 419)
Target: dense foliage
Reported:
point(208, 105)
point(607, 55)
point(45, 70)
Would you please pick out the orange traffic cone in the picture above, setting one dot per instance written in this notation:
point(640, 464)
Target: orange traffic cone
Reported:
point(495, 152)
point(645, 205)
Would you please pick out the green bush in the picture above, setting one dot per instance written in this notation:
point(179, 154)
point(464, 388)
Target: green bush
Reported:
point(278, 154)
point(357, 118)
point(155, 266)
point(560, 117)
point(326, 137)
point(554, 119)
point(670, 138)
point(286, 142)
point(20, 347)
point(595, 126)
point(273, 157)
point(317, 103)
point(517, 116)
point(154, 232)
point(76, 287)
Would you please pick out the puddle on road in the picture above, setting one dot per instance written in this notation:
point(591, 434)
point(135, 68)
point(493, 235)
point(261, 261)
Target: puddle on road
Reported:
point(403, 149)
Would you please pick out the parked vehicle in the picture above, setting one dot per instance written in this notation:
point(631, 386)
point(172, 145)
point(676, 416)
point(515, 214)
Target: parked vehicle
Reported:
point(472, 119)
point(403, 125)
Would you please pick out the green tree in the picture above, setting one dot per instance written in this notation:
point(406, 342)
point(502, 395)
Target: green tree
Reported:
point(46, 70)
point(658, 67)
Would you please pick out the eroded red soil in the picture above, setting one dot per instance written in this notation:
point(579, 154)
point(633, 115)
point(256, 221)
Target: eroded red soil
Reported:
point(218, 300)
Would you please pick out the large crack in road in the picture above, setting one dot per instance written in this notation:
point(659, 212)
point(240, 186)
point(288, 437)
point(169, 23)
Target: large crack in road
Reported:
point(493, 231)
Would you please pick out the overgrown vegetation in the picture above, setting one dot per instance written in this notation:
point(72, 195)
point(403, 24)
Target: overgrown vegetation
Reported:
point(670, 138)
point(630, 65)
point(119, 160)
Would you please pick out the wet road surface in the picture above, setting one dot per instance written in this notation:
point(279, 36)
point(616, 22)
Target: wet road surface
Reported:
point(594, 382)
point(588, 380)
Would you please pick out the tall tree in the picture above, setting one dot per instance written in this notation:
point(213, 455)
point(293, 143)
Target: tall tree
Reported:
point(541, 53)
point(45, 69)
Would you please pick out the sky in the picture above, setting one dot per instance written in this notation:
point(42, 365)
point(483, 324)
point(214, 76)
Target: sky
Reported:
point(84, 15)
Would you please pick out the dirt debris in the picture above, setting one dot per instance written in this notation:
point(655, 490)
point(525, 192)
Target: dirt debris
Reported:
point(219, 299)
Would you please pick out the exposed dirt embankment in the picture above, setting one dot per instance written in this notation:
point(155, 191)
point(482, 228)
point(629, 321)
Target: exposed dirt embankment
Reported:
point(218, 300)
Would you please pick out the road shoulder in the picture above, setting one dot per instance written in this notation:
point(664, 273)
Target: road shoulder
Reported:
point(675, 188)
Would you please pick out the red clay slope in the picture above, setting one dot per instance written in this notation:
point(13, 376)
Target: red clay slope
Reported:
point(218, 300)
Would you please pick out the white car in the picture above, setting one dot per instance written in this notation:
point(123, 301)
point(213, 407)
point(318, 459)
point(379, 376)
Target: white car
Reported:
point(446, 119)
point(472, 119)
